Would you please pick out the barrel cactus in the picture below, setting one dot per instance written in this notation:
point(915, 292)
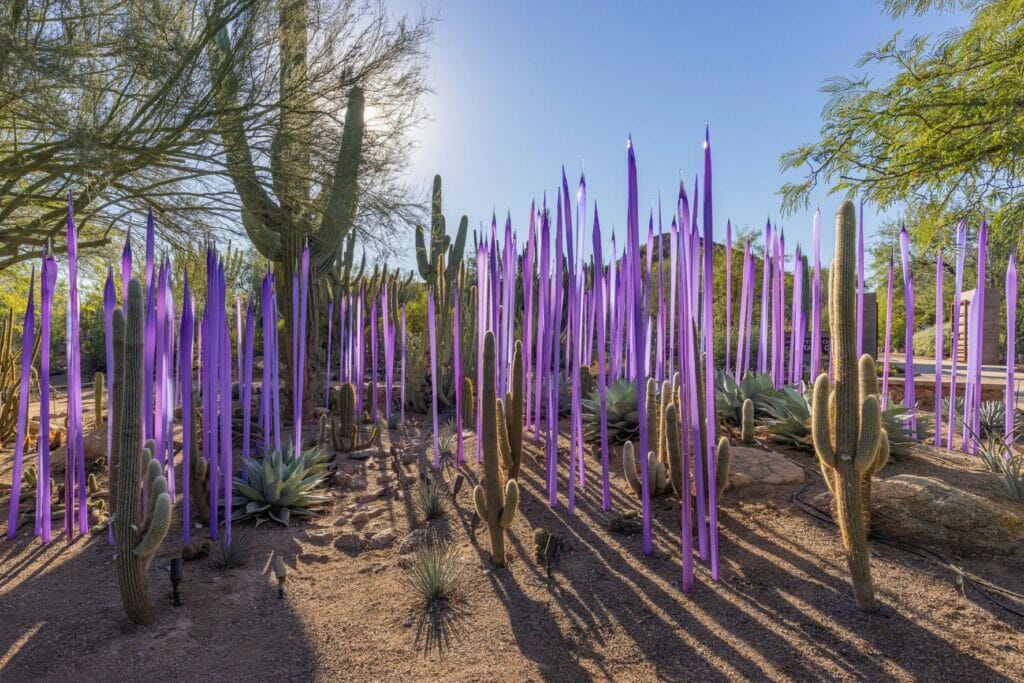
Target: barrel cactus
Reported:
point(138, 532)
point(495, 504)
point(846, 421)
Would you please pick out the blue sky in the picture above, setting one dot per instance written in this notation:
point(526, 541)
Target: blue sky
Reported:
point(524, 87)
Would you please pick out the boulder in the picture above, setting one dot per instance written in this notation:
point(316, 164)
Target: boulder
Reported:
point(755, 467)
point(928, 511)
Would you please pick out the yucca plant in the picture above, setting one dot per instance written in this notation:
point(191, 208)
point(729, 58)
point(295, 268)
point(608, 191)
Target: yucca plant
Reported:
point(623, 416)
point(280, 485)
point(1008, 467)
point(991, 418)
point(434, 576)
point(432, 497)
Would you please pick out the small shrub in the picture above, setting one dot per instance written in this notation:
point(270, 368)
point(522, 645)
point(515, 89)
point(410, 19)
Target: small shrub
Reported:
point(433, 576)
point(231, 555)
point(627, 524)
point(1012, 478)
point(432, 497)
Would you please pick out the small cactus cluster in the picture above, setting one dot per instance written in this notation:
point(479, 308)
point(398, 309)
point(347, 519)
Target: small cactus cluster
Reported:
point(138, 532)
point(665, 463)
point(846, 419)
point(339, 430)
point(495, 504)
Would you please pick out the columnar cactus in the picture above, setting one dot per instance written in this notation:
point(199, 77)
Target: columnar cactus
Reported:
point(514, 413)
point(846, 421)
point(137, 534)
point(97, 399)
point(468, 402)
point(747, 422)
point(343, 424)
point(657, 473)
point(496, 505)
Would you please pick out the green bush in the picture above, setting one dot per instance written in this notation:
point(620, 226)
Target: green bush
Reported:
point(924, 340)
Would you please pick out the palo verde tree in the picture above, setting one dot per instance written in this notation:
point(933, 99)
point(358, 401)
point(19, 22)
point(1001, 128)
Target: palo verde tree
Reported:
point(943, 136)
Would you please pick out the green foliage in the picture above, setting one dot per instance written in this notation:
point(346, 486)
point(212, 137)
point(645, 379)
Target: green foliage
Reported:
point(940, 133)
point(432, 497)
point(233, 553)
point(768, 402)
point(434, 576)
point(280, 486)
point(623, 415)
point(1007, 466)
point(991, 418)
point(924, 341)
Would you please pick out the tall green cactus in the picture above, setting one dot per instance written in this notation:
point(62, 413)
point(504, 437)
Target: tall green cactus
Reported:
point(846, 421)
point(137, 535)
point(97, 399)
point(440, 264)
point(514, 413)
point(496, 505)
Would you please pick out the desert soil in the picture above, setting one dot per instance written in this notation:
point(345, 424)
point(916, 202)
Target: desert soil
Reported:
point(782, 610)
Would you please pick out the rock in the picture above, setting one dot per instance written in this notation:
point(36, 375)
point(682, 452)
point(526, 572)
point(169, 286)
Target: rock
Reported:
point(370, 497)
point(382, 539)
point(930, 512)
point(95, 444)
point(362, 453)
point(343, 478)
point(413, 540)
point(349, 542)
point(361, 517)
point(754, 467)
point(386, 478)
point(349, 466)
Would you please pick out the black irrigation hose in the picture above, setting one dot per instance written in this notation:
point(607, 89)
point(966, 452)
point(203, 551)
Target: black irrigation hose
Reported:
point(962, 578)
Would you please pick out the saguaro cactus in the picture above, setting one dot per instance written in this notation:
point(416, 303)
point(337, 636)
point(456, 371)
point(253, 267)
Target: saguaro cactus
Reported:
point(495, 505)
point(846, 421)
point(137, 535)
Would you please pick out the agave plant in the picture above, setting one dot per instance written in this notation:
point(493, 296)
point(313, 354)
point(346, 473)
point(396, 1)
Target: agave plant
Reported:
point(623, 416)
point(793, 428)
point(769, 403)
point(991, 417)
point(280, 486)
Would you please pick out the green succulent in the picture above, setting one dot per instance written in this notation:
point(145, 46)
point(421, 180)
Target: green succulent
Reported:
point(623, 415)
point(769, 403)
point(792, 428)
point(280, 486)
point(991, 417)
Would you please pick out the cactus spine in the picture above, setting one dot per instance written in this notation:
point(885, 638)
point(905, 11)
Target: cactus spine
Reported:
point(495, 505)
point(514, 413)
point(747, 422)
point(137, 536)
point(846, 425)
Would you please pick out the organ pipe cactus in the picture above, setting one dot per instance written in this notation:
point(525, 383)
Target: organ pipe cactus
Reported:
point(846, 424)
point(137, 534)
point(496, 505)
point(468, 402)
point(747, 421)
